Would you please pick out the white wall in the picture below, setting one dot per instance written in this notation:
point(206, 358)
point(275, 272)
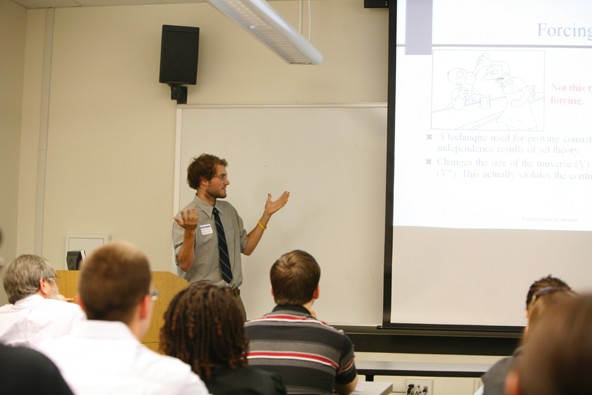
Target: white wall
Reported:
point(12, 46)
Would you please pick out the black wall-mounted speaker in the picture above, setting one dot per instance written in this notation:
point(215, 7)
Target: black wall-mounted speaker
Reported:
point(179, 55)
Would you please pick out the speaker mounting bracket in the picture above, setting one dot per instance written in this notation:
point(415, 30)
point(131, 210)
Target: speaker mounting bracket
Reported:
point(179, 93)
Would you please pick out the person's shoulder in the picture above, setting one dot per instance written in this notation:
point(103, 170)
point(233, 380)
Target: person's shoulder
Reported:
point(166, 364)
point(494, 378)
point(247, 380)
point(290, 318)
point(26, 357)
point(261, 373)
point(225, 205)
point(63, 306)
point(17, 354)
point(273, 381)
point(16, 360)
point(191, 204)
point(172, 371)
point(503, 364)
point(327, 327)
point(56, 347)
point(294, 315)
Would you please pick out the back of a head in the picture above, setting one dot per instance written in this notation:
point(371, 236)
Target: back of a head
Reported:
point(556, 358)
point(22, 276)
point(113, 280)
point(204, 328)
point(543, 301)
point(294, 277)
point(545, 282)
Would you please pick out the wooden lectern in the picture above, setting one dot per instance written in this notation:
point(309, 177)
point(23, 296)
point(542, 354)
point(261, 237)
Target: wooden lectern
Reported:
point(166, 283)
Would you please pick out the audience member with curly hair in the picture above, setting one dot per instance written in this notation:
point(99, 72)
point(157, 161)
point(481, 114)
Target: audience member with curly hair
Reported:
point(204, 328)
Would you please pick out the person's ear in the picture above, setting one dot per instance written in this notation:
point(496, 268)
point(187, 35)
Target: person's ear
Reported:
point(144, 306)
point(44, 288)
point(511, 384)
point(316, 293)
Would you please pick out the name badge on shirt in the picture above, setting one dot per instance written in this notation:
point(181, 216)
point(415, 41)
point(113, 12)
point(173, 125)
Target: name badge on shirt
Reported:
point(206, 229)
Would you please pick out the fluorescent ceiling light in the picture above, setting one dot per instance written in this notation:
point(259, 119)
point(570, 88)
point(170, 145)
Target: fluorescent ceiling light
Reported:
point(262, 21)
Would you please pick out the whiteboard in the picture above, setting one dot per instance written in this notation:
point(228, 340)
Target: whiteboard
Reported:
point(332, 159)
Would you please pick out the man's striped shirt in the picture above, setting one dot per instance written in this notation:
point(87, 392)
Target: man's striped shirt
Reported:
point(309, 355)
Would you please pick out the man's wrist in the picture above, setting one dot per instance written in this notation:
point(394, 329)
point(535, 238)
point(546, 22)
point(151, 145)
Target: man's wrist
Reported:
point(189, 235)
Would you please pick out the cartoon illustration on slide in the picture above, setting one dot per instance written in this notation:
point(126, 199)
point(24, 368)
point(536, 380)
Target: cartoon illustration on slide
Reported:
point(479, 90)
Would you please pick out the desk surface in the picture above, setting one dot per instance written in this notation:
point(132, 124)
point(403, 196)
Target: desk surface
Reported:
point(393, 368)
point(373, 388)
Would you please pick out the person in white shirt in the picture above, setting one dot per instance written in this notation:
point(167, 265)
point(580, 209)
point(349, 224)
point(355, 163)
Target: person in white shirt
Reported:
point(103, 355)
point(36, 311)
point(20, 364)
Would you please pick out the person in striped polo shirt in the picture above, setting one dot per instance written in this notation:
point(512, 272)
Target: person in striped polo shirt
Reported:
point(309, 355)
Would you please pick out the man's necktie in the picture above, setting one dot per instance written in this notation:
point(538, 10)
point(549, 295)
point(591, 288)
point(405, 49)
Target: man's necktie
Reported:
point(223, 251)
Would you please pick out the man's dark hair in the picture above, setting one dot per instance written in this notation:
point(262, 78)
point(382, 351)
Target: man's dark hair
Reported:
point(203, 166)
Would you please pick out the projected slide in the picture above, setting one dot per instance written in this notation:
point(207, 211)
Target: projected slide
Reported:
point(493, 115)
point(492, 159)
